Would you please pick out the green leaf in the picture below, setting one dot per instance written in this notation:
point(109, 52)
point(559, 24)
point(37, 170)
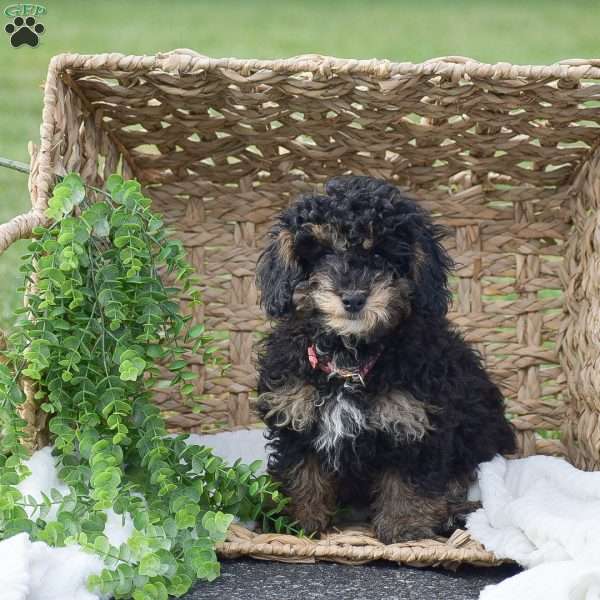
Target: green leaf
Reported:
point(150, 565)
point(113, 183)
point(197, 331)
point(179, 585)
point(202, 559)
point(177, 365)
point(255, 466)
point(102, 545)
point(216, 524)
point(151, 591)
point(101, 229)
point(95, 213)
point(186, 517)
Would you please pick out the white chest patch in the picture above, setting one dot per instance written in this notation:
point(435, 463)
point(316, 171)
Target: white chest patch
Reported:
point(341, 420)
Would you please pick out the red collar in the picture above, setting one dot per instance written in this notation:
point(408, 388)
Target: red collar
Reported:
point(327, 367)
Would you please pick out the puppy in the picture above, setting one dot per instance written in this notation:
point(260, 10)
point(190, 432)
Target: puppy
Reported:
point(370, 397)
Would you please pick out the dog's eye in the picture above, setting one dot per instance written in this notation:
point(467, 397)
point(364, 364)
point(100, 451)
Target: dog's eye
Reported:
point(379, 253)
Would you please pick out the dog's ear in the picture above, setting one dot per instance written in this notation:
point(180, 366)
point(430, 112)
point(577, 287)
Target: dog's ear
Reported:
point(430, 266)
point(278, 272)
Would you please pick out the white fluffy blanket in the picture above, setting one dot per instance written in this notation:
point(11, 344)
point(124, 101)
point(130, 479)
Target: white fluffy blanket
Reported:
point(545, 514)
point(539, 511)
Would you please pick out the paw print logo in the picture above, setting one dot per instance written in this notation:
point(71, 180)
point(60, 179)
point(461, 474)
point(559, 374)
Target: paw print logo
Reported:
point(24, 31)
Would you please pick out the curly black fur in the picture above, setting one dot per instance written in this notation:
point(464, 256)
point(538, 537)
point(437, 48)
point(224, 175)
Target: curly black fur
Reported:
point(364, 237)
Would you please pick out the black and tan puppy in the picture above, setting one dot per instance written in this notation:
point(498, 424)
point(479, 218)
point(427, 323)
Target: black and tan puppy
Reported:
point(369, 394)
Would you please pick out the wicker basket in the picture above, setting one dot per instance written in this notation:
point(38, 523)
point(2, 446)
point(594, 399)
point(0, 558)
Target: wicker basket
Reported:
point(506, 156)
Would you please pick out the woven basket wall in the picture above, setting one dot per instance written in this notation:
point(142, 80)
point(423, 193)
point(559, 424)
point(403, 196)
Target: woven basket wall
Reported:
point(506, 156)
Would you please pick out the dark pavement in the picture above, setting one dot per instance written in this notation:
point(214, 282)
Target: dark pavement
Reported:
point(261, 580)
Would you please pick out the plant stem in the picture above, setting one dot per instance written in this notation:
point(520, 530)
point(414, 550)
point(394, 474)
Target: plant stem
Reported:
point(21, 167)
point(15, 165)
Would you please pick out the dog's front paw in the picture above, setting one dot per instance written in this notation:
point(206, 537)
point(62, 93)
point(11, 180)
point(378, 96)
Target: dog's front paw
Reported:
point(390, 530)
point(314, 524)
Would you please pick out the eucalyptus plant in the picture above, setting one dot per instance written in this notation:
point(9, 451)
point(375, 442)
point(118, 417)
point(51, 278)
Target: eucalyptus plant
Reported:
point(100, 330)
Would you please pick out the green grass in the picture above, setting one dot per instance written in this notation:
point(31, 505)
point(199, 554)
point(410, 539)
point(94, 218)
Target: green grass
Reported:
point(535, 31)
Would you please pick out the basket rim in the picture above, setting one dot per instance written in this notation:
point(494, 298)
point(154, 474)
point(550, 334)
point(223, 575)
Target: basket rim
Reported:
point(186, 61)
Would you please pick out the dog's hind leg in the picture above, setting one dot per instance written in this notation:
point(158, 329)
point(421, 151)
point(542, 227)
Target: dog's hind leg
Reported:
point(401, 512)
point(313, 494)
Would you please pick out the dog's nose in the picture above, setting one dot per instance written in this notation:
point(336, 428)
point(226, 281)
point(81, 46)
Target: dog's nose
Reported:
point(354, 301)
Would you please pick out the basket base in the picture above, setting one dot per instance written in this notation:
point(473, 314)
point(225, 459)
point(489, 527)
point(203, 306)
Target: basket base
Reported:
point(357, 545)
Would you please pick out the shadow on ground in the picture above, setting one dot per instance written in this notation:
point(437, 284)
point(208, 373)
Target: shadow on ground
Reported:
point(252, 579)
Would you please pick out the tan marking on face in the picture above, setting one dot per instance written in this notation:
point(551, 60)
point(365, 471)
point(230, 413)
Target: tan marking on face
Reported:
point(285, 243)
point(380, 299)
point(292, 406)
point(382, 307)
point(327, 300)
